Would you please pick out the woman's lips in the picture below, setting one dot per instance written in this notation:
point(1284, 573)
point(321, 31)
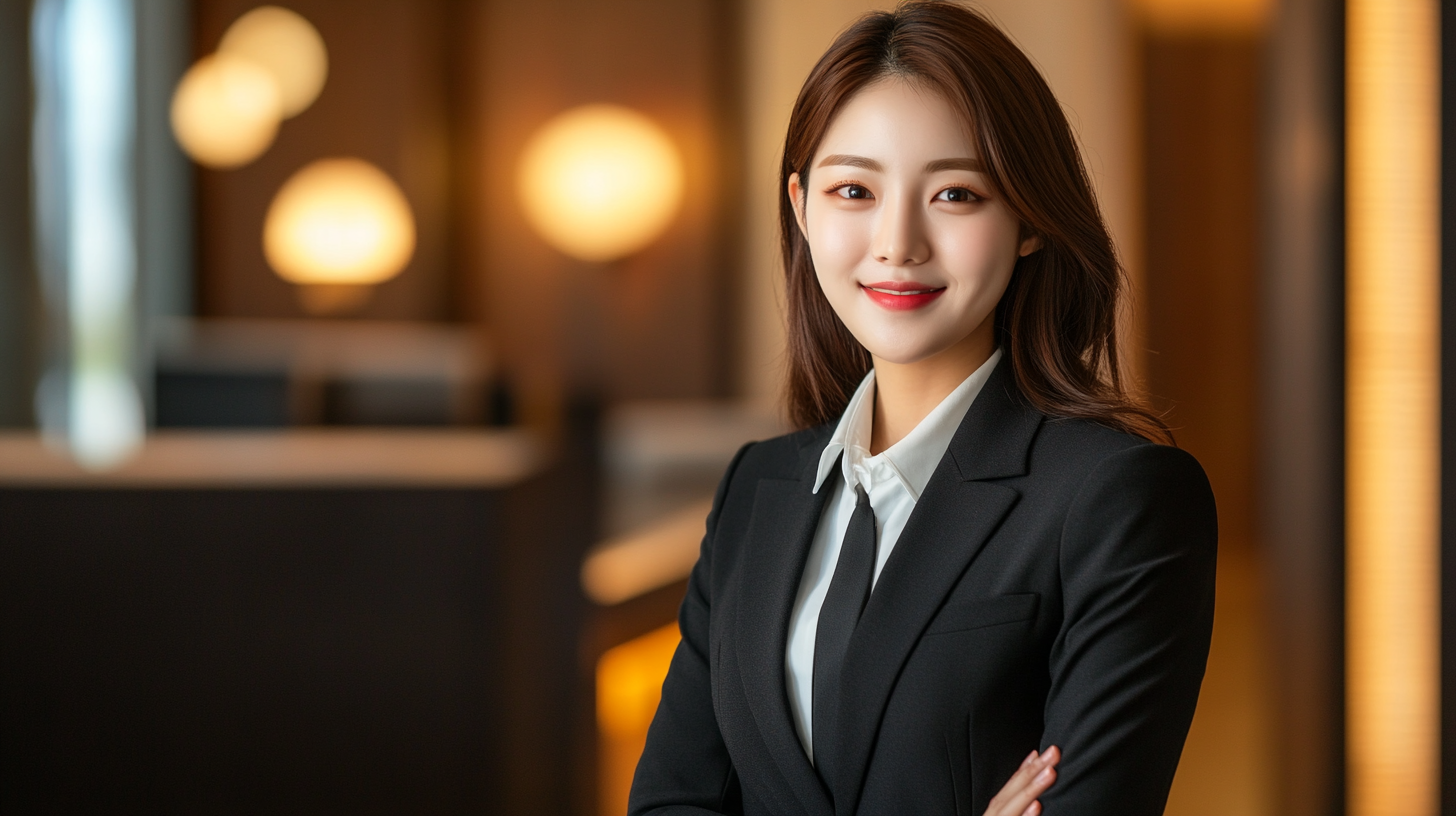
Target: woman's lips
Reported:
point(901, 295)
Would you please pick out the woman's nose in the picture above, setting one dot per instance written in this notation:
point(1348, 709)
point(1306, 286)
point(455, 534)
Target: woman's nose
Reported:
point(899, 238)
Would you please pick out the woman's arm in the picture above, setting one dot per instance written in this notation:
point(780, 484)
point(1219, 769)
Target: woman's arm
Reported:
point(1138, 559)
point(685, 769)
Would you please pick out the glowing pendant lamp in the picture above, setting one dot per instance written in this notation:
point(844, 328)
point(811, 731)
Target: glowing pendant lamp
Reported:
point(337, 228)
point(270, 66)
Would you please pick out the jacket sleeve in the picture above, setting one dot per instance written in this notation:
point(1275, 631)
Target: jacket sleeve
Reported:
point(1138, 558)
point(685, 769)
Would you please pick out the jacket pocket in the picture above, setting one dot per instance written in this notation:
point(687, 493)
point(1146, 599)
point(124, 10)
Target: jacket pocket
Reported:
point(982, 612)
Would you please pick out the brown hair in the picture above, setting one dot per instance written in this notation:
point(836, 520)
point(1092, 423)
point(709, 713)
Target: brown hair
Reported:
point(1057, 320)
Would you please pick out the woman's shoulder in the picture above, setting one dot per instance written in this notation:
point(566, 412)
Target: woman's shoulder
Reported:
point(1124, 499)
point(1078, 450)
point(783, 456)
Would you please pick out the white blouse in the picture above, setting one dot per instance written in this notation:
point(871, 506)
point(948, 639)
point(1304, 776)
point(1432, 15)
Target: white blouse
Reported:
point(894, 481)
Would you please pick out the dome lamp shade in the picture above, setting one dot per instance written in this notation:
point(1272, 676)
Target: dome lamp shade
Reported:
point(225, 111)
point(600, 182)
point(337, 227)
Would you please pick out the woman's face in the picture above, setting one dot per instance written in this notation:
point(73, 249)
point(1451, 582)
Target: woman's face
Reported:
point(912, 245)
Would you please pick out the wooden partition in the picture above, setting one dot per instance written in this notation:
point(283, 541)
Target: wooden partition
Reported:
point(1202, 300)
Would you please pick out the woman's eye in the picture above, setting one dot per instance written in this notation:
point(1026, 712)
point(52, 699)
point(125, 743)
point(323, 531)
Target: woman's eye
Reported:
point(958, 195)
point(853, 191)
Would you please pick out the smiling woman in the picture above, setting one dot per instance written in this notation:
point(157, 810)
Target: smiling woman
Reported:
point(975, 583)
point(1015, 154)
point(910, 247)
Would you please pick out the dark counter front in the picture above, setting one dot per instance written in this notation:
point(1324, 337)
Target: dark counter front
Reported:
point(287, 645)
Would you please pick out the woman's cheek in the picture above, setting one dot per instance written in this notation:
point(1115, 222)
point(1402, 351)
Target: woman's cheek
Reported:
point(981, 260)
point(844, 234)
point(836, 248)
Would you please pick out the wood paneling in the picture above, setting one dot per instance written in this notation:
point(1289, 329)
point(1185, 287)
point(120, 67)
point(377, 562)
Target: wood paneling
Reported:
point(384, 102)
point(1202, 105)
point(443, 94)
point(652, 325)
point(1203, 258)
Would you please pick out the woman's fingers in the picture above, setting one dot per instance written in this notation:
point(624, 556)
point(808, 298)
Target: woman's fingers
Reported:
point(1018, 796)
point(1030, 766)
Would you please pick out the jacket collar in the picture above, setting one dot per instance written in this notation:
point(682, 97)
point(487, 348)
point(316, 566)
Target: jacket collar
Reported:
point(994, 440)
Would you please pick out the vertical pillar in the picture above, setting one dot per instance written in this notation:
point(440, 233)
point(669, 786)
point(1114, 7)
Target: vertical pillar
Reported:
point(1392, 400)
point(18, 303)
point(84, 152)
point(1301, 352)
point(164, 182)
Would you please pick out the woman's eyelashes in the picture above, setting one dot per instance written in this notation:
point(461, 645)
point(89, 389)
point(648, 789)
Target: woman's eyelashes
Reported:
point(853, 191)
point(959, 195)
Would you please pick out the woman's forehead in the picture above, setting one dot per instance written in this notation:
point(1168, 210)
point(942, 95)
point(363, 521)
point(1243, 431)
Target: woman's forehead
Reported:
point(897, 120)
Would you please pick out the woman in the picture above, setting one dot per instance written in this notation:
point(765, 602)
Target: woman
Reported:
point(980, 546)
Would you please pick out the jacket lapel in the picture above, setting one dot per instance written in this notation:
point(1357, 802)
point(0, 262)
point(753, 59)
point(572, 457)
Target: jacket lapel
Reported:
point(955, 516)
point(785, 515)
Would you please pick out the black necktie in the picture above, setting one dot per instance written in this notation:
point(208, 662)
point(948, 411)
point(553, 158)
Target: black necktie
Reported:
point(848, 592)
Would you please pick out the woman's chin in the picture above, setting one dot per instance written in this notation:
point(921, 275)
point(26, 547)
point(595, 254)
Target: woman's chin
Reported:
point(901, 354)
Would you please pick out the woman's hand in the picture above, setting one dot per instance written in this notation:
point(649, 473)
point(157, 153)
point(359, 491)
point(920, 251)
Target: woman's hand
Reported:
point(1018, 796)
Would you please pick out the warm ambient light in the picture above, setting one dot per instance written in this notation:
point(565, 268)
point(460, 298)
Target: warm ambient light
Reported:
point(225, 111)
point(629, 687)
point(1393, 407)
point(288, 47)
point(631, 565)
point(337, 227)
point(600, 182)
point(1203, 16)
point(270, 65)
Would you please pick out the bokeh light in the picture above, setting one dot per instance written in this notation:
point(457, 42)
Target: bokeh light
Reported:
point(629, 687)
point(225, 111)
point(600, 182)
point(288, 47)
point(339, 222)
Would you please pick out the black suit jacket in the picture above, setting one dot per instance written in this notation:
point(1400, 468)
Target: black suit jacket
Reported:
point(1053, 586)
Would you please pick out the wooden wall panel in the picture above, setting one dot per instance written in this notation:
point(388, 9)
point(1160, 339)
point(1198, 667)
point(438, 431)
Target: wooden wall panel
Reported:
point(443, 95)
point(385, 102)
point(1203, 258)
point(652, 325)
point(1202, 105)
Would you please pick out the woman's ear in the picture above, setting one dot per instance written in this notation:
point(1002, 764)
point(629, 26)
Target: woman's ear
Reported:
point(796, 195)
point(1029, 244)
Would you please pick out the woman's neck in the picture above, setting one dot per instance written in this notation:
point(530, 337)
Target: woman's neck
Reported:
point(905, 393)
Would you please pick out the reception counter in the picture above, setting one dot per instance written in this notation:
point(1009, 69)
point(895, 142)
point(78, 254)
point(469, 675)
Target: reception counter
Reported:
point(293, 622)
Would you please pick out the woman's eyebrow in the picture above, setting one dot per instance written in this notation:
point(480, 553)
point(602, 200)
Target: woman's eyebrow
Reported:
point(973, 165)
point(846, 160)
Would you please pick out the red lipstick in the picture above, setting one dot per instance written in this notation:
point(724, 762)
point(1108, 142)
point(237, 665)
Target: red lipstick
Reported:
point(901, 295)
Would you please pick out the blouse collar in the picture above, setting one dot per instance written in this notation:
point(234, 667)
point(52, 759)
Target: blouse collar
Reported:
point(914, 458)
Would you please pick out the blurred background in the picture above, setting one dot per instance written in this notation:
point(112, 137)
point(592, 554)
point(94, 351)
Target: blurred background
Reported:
point(367, 367)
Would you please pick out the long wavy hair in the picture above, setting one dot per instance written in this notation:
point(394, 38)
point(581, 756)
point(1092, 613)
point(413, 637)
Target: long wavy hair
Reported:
point(1057, 320)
